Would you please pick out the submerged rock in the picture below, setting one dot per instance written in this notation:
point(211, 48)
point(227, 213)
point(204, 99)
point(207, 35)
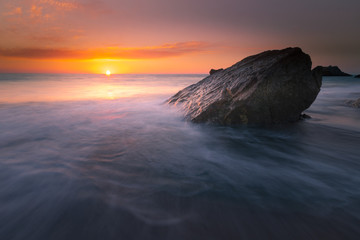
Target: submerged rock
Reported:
point(212, 71)
point(353, 103)
point(331, 71)
point(270, 87)
point(304, 116)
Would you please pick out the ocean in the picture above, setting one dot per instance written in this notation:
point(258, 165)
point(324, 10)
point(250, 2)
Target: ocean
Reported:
point(97, 157)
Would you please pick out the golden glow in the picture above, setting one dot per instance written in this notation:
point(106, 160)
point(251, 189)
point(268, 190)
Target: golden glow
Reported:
point(108, 73)
point(75, 90)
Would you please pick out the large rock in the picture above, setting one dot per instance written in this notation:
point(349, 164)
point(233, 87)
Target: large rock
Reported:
point(357, 76)
point(331, 71)
point(270, 87)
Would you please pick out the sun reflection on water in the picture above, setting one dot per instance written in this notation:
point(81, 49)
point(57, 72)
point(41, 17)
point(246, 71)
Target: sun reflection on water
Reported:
point(81, 87)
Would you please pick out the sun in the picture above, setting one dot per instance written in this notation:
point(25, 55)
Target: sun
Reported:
point(108, 73)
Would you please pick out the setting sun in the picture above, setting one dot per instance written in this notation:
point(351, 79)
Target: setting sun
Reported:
point(108, 73)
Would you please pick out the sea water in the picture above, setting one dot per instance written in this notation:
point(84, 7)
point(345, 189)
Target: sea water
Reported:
point(96, 157)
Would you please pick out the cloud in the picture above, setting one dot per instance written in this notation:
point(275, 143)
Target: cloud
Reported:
point(166, 50)
point(36, 11)
point(38, 8)
point(153, 52)
point(62, 5)
point(47, 8)
point(15, 11)
point(38, 53)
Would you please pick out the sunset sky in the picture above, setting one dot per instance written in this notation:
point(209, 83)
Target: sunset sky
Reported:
point(171, 36)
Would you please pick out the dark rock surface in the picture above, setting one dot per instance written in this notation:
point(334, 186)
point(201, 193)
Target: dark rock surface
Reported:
point(212, 71)
point(353, 103)
point(330, 71)
point(357, 76)
point(270, 87)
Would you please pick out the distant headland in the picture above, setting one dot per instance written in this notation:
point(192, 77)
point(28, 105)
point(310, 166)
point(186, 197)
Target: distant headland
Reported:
point(331, 71)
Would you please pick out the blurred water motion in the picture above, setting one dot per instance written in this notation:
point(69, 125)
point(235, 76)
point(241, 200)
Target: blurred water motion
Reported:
point(83, 157)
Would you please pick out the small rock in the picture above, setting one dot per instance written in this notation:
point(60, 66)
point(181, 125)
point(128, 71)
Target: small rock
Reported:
point(353, 103)
point(212, 71)
point(305, 116)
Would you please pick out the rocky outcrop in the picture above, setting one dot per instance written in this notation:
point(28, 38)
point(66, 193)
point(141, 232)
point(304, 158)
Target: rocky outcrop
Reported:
point(212, 71)
point(357, 76)
point(353, 103)
point(330, 71)
point(270, 87)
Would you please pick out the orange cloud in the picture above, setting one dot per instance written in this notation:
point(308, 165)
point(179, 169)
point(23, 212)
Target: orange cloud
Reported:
point(61, 4)
point(153, 52)
point(15, 11)
point(38, 8)
point(35, 11)
point(39, 53)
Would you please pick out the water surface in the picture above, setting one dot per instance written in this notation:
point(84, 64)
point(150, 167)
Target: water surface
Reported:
point(91, 157)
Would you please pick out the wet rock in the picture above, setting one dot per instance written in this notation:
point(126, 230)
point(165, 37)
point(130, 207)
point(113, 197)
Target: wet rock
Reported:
point(212, 71)
point(330, 71)
point(357, 76)
point(270, 87)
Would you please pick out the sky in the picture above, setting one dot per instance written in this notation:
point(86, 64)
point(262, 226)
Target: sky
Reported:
point(171, 36)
